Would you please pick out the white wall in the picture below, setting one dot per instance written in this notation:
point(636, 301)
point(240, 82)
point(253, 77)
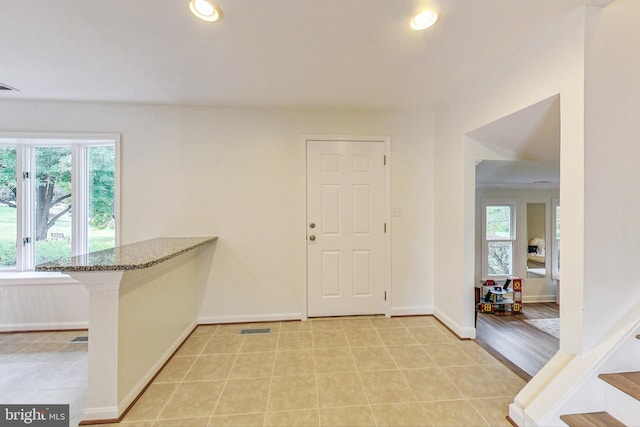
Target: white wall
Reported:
point(550, 66)
point(591, 61)
point(240, 173)
point(533, 289)
point(64, 305)
point(612, 151)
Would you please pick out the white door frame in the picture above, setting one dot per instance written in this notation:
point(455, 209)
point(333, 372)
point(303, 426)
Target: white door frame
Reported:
point(387, 210)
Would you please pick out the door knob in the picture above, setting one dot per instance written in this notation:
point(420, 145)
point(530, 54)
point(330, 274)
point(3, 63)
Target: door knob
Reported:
point(312, 225)
point(312, 237)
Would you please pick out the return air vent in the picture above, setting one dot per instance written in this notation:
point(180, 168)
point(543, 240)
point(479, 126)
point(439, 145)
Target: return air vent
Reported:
point(7, 87)
point(255, 331)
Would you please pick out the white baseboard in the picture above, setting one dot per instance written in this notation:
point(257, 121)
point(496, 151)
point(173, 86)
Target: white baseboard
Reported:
point(455, 327)
point(538, 298)
point(101, 414)
point(146, 379)
point(250, 318)
point(50, 326)
point(417, 310)
point(516, 414)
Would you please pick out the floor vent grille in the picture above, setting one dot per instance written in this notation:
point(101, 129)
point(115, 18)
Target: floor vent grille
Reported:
point(255, 331)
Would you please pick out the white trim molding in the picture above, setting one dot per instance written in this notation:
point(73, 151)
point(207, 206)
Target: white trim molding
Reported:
point(386, 215)
point(416, 310)
point(250, 318)
point(464, 333)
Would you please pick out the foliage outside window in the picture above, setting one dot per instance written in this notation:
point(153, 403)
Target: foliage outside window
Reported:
point(8, 217)
point(499, 238)
point(57, 199)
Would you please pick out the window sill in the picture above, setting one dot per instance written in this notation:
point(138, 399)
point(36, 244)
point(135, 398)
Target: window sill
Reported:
point(26, 278)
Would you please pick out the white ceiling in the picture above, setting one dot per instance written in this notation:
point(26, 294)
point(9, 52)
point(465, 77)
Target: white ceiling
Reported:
point(532, 133)
point(531, 138)
point(329, 53)
point(518, 174)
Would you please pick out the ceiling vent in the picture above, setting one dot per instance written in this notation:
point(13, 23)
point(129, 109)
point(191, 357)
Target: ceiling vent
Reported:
point(7, 87)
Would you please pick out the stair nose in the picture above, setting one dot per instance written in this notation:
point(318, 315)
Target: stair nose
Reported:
point(591, 419)
point(629, 382)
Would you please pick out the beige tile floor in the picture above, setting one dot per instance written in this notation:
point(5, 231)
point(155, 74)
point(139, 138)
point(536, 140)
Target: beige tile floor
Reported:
point(408, 371)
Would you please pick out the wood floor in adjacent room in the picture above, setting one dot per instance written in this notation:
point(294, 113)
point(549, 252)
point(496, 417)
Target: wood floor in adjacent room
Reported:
point(516, 342)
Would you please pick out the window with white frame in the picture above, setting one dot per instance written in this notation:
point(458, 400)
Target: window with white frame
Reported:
point(499, 235)
point(58, 197)
point(555, 260)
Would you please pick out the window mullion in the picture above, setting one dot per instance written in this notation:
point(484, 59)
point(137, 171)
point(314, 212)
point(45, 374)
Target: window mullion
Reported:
point(20, 223)
point(79, 166)
point(25, 254)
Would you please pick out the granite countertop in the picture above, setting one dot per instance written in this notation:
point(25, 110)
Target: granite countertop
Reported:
point(134, 256)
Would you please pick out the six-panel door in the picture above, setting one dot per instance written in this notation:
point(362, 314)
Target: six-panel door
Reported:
point(345, 228)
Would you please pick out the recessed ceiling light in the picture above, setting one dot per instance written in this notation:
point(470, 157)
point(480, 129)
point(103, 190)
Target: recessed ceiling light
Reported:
point(205, 10)
point(424, 20)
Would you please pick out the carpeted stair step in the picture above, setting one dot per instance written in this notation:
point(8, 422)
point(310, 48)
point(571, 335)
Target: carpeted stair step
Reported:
point(591, 419)
point(629, 382)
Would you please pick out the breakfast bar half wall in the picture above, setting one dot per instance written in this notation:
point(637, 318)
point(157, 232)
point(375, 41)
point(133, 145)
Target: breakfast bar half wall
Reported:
point(143, 303)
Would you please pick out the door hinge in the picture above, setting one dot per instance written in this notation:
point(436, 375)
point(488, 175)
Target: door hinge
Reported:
point(385, 295)
point(26, 240)
point(385, 227)
point(26, 175)
point(385, 159)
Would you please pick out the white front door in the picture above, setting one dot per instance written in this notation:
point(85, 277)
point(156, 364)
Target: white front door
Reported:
point(345, 228)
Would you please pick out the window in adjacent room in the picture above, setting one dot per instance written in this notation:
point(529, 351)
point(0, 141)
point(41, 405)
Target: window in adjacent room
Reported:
point(498, 239)
point(555, 263)
point(58, 197)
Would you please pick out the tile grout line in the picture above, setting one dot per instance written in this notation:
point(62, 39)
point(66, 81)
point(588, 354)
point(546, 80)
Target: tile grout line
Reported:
point(226, 381)
point(400, 371)
point(157, 418)
point(437, 366)
point(384, 344)
point(315, 374)
point(315, 378)
point(465, 398)
point(157, 415)
point(419, 344)
point(273, 369)
point(364, 390)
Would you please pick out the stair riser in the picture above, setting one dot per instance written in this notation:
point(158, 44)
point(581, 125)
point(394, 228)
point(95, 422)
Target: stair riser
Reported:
point(589, 397)
point(622, 406)
point(625, 358)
